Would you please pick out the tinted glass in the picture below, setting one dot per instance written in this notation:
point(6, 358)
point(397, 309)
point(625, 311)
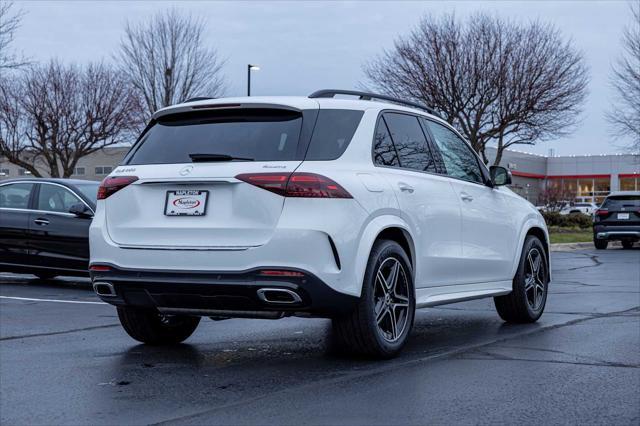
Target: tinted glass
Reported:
point(332, 133)
point(410, 142)
point(54, 198)
point(259, 134)
point(89, 190)
point(458, 159)
point(620, 202)
point(16, 195)
point(384, 153)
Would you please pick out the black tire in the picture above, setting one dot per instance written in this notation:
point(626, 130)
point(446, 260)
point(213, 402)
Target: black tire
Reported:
point(153, 328)
point(627, 245)
point(45, 276)
point(600, 244)
point(368, 330)
point(526, 302)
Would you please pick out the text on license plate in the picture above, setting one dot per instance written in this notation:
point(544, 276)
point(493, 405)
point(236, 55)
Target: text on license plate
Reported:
point(623, 215)
point(186, 202)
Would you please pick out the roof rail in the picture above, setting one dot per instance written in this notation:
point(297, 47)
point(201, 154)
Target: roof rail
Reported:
point(366, 96)
point(197, 98)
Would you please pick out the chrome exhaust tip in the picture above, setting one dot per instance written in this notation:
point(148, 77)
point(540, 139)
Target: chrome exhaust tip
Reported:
point(279, 296)
point(104, 289)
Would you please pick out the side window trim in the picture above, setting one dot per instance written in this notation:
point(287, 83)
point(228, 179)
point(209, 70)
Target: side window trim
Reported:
point(479, 163)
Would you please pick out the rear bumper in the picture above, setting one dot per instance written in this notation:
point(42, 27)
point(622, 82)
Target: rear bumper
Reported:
point(225, 294)
point(603, 232)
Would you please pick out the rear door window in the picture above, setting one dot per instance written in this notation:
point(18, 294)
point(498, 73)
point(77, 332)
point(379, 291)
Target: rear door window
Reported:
point(410, 142)
point(54, 198)
point(15, 195)
point(332, 133)
point(256, 134)
point(384, 153)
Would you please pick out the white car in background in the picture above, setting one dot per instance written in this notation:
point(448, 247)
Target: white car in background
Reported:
point(585, 208)
point(355, 210)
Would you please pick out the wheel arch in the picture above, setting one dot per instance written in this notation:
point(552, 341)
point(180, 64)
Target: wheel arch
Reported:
point(539, 230)
point(383, 227)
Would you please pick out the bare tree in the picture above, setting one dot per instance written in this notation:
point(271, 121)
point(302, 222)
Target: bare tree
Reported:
point(496, 81)
point(54, 115)
point(168, 61)
point(9, 23)
point(625, 112)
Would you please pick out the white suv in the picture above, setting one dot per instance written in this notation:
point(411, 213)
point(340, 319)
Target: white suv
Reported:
point(351, 209)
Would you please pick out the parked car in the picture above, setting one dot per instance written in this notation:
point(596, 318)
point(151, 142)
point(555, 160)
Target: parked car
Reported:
point(618, 219)
point(585, 208)
point(44, 226)
point(356, 210)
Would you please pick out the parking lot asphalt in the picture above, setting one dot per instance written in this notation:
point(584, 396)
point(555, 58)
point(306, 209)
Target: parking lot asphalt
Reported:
point(65, 360)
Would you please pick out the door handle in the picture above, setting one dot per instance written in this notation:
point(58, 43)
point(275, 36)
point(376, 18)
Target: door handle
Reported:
point(41, 222)
point(405, 187)
point(466, 197)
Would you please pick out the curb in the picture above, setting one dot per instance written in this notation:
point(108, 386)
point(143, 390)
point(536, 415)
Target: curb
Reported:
point(571, 246)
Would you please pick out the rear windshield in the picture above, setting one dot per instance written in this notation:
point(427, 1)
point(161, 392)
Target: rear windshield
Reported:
point(256, 134)
point(619, 202)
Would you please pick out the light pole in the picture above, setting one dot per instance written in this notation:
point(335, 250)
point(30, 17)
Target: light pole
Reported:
point(250, 68)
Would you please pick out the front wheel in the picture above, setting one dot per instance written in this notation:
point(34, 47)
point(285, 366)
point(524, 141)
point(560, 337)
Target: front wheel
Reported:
point(381, 321)
point(600, 244)
point(529, 296)
point(153, 328)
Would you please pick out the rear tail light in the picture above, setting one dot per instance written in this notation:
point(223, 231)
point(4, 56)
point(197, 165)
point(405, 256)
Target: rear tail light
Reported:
point(602, 212)
point(306, 185)
point(111, 185)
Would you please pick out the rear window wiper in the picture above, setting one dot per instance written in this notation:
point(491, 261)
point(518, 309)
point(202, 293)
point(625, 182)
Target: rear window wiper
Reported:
point(203, 158)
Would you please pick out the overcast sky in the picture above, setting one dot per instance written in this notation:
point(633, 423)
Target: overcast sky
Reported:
point(304, 46)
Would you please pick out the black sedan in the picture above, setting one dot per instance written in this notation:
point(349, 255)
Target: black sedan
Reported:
point(44, 226)
point(617, 219)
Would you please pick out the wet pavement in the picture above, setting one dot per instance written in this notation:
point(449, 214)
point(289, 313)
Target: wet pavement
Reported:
point(65, 360)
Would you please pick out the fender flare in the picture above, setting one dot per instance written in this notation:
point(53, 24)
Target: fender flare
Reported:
point(531, 222)
point(369, 235)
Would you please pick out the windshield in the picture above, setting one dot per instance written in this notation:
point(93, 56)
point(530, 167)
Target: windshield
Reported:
point(89, 190)
point(255, 134)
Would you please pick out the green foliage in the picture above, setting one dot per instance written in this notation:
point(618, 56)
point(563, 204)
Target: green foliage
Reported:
point(572, 220)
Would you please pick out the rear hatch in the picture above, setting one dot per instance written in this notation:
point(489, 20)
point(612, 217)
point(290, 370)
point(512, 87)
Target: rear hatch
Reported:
point(619, 210)
point(187, 195)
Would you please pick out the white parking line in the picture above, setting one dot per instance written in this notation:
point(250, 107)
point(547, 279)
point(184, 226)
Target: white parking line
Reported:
point(52, 300)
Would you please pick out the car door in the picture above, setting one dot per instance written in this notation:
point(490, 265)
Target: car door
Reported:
point(15, 199)
point(427, 200)
point(489, 228)
point(59, 239)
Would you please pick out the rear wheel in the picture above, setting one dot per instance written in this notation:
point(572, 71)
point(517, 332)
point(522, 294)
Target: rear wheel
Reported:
point(381, 322)
point(600, 244)
point(627, 245)
point(151, 327)
point(527, 300)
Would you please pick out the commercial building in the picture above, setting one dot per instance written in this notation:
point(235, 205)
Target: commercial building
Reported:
point(581, 177)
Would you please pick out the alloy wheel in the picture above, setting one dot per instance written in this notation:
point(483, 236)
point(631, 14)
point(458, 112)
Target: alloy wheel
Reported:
point(535, 276)
point(391, 299)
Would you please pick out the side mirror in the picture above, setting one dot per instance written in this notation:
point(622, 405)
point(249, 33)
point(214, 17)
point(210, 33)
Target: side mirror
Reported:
point(81, 210)
point(500, 176)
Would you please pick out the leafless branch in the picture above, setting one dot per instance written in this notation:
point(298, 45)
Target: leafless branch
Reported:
point(496, 81)
point(9, 23)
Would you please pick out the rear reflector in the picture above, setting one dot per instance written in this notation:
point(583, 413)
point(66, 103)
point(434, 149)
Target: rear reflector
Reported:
point(280, 273)
point(99, 268)
point(113, 184)
point(306, 185)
